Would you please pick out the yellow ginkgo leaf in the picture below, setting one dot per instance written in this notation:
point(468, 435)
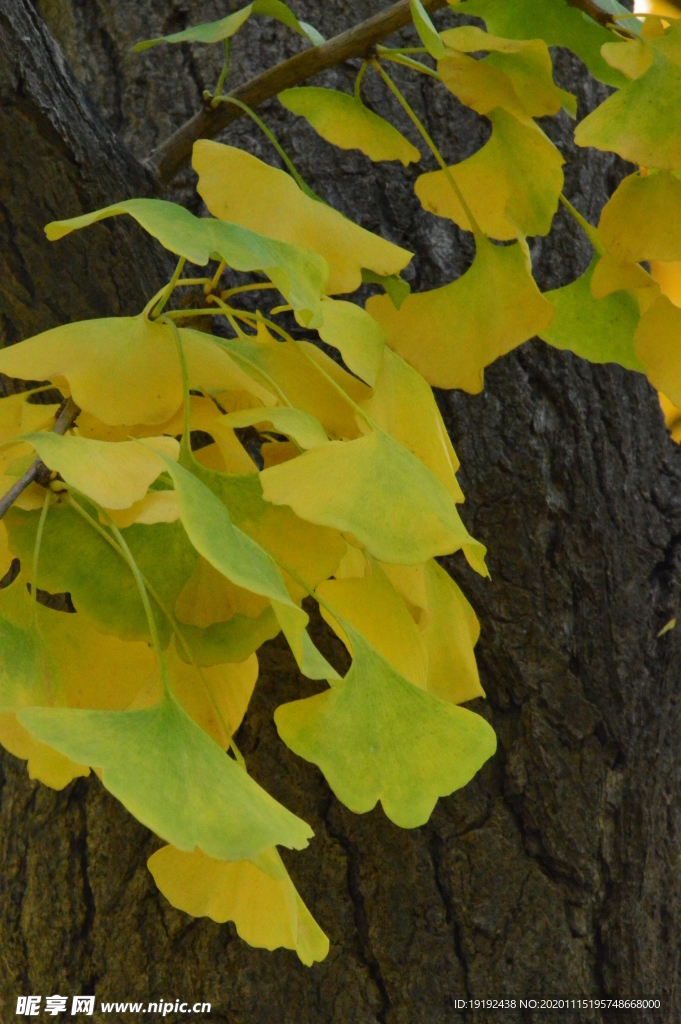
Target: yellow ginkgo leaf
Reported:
point(668, 276)
point(114, 475)
point(356, 335)
point(640, 221)
point(126, 370)
point(632, 58)
point(512, 184)
point(210, 597)
point(257, 895)
point(44, 764)
point(154, 507)
point(450, 631)
point(19, 416)
point(373, 606)
point(610, 276)
point(344, 121)
point(238, 187)
point(640, 121)
point(404, 406)
point(672, 417)
point(452, 333)
point(216, 697)
point(516, 75)
point(301, 426)
point(657, 346)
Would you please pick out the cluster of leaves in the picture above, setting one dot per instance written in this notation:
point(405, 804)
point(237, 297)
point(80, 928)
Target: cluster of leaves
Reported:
point(182, 559)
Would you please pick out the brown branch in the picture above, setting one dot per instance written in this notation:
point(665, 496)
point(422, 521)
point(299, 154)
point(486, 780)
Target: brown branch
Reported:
point(170, 157)
point(597, 13)
point(38, 469)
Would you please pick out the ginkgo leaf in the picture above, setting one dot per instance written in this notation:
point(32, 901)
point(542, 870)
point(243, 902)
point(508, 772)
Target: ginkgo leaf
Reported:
point(376, 490)
point(76, 559)
point(450, 631)
point(375, 609)
point(44, 764)
point(299, 381)
point(344, 121)
point(126, 370)
point(258, 896)
point(243, 561)
point(154, 507)
point(114, 475)
point(610, 276)
point(376, 736)
point(394, 286)
point(668, 276)
point(426, 30)
point(404, 406)
point(240, 188)
point(19, 416)
point(512, 184)
point(632, 58)
point(216, 697)
point(640, 220)
point(554, 21)
point(209, 597)
point(600, 330)
point(657, 346)
point(300, 275)
point(233, 641)
point(172, 777)
point(516, 75)
point(356, 335)
point(301, 426)
point(640, 121)
point(21, 661)
point(452, 333)
point(209, 32)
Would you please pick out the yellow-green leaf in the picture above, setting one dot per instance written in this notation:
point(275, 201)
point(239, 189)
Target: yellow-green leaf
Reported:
point(511, 185)
point(640, 121)
point(257, 895)
point(426, 30)
point(452, 333)
point(173, 777)
point(209, 32)
point(356, 335)
point(240, 188)
point(44, 764)
point(376, 490)
point(301, 426)
point(300, 275)
point(376, 736)
point(344, 121)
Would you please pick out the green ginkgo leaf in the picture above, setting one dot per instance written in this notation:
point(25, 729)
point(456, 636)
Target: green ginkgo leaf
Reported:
point(114, 475)
point(376, 736)
point(225, 28)
point(301, 426)
point(394, 286)
point(511, 185)
point(641, 219)
point(21, 655)
point(640, 121)
point(234, 640)
point(299, 274)
point(555, 21)
point(452, 333)
point(427, 32)
point(243, 561)
point(600, 330)
point(376, 490)
point(172, 777)
point(344, 121)
point(74, 558)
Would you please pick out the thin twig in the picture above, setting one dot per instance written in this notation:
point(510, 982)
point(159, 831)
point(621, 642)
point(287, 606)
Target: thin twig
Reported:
point(38, 468)
point(359, 41)
point(594, 11)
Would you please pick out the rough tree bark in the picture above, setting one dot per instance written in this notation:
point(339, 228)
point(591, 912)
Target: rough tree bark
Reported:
point(557, 870)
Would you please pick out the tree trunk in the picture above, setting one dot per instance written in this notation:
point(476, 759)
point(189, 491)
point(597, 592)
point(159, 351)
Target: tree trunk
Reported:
point(556, 871)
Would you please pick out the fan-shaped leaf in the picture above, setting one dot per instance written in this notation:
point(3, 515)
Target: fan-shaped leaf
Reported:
point(301, 426)
point(640, 221)
point(240, 188)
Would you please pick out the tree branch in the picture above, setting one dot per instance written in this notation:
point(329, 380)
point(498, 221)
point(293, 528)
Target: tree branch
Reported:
point(170, 157)
point(595, 12)
point(38, 468)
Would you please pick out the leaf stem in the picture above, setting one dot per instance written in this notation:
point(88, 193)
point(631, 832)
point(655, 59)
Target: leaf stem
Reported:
point(407, 62)
point(36, 554)
point(223, 73)
point(475, 228)
point(589, 230)
point(156, 312)
point(358, 80)
point(298, 178)
point(265, 285)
